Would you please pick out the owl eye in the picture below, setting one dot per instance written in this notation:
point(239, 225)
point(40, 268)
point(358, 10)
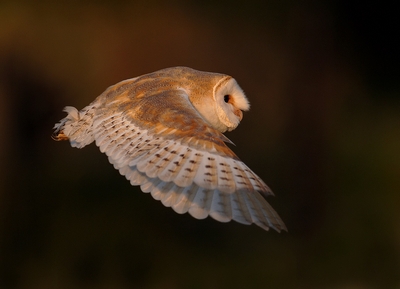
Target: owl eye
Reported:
point(227, 97)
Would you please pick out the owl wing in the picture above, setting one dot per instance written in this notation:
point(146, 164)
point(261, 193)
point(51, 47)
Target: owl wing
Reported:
point(162, 143)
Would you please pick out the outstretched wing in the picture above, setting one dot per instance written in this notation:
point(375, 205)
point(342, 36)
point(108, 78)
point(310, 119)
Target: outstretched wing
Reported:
point(161, 143)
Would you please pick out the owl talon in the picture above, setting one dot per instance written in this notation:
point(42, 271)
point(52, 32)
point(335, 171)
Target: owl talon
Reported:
point(59, 136)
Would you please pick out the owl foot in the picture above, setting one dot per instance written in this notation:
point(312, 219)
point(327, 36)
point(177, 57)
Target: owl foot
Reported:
point(59, 136)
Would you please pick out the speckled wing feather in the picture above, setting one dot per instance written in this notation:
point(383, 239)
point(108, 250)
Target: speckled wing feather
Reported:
point(161, 143)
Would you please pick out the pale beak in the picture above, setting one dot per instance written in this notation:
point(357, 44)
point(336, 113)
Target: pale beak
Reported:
point(238, 113)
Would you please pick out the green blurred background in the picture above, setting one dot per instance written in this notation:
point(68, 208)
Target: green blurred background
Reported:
point(323, 132)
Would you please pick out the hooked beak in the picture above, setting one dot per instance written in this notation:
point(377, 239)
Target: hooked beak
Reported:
point(239, 114)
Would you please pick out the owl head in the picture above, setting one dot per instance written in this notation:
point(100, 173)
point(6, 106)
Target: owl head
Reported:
point(217, 97)
point(229, 103)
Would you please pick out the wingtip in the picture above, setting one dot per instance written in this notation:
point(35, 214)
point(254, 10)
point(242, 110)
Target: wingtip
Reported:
point(281, 229)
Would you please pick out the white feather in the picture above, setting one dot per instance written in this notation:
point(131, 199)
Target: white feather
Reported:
point(221, 209)
point(185, 199)
point(200, 206)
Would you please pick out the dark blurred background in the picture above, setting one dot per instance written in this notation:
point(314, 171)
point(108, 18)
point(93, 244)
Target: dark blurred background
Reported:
point(323, 132)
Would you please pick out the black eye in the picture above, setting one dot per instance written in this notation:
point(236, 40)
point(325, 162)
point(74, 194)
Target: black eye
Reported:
point(227, 97)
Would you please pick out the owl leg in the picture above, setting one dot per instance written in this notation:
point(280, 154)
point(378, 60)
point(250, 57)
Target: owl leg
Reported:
point(59, 136)
point(75, 127)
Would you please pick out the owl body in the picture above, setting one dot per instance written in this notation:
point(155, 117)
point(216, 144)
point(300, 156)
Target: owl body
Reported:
point(163, 131)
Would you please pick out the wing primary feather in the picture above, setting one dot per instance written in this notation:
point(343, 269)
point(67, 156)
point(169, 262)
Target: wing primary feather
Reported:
point(174, 166)
point(142, 160)
point(161, 189)
point(226, 179)
point(104, 132)
point(128, 141)
point(190, 164)
point(107, 145)
point(185, 199)
point(170, 197)
point(152, 163)
point(156, 164)
point(104, 119)
point(221, 208)
point(116, 145)
point(270, 214)
point(260, 220)
point(256, 181)
point(200, 205)
point(240, 211)
point(135, 177)
point(150, 185)
point(210, 178)
point(253, 210)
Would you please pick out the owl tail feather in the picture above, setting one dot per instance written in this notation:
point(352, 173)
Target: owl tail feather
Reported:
point(75, 127)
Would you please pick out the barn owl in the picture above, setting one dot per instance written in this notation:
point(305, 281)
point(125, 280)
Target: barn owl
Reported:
point(163, 132)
